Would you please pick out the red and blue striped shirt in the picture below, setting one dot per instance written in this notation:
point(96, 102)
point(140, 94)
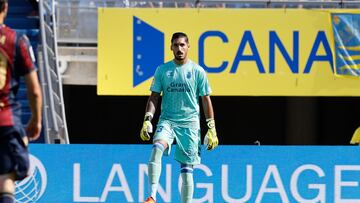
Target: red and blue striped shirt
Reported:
point(16, 60)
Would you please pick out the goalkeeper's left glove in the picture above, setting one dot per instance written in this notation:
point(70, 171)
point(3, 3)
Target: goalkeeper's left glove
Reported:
point(356, 137)
point(147, 127)
point(211, 140)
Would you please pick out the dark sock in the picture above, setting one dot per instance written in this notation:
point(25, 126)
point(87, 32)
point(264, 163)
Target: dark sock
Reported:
point(6, 198)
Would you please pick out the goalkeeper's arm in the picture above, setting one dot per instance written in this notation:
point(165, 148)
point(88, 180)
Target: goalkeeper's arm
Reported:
point(150, 111)
point(211, 139)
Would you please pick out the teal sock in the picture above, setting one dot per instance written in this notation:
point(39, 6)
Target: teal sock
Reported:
point(154, 168)
point(187, 188)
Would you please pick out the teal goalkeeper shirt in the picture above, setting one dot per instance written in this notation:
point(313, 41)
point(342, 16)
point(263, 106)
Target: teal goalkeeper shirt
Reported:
point(181, 86)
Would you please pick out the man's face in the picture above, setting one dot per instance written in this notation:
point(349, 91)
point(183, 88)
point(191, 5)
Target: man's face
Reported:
point(180, 48)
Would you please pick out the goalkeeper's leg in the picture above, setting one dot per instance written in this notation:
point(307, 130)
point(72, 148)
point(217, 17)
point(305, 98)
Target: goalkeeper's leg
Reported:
point(155, 167)
point(187, 187)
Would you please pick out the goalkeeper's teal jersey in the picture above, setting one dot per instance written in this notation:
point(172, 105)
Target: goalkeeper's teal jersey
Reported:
point(181, 86)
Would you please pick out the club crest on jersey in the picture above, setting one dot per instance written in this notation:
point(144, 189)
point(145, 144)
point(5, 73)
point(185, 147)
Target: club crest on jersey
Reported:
point(188, 75)
point(170, 73)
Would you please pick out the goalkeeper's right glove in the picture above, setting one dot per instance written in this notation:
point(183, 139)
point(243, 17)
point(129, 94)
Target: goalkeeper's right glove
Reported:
point(147, 127)
point(211, 140)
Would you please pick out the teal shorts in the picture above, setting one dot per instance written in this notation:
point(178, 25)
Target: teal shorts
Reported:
point(188, 141)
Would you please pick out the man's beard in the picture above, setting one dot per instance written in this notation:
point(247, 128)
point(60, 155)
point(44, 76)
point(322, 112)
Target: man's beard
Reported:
point(179, 58)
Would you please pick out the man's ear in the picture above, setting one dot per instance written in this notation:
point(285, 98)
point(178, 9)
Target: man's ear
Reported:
point(5, 8)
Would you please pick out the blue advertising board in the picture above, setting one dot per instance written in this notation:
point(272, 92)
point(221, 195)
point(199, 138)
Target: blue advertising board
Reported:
point(118, 173)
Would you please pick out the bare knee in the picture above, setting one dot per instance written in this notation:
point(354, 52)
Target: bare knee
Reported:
point(7, 183)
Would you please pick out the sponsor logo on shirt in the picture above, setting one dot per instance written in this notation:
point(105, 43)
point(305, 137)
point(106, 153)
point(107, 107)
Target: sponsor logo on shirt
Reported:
point(178, 87)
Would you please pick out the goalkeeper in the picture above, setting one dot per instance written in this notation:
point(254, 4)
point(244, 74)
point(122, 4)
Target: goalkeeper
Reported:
point(181, 82)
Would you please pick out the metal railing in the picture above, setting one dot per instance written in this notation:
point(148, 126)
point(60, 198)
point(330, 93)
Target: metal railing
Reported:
point(54, 109)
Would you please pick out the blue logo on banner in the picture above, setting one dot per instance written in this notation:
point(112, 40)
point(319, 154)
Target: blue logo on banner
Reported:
point(32, 188)
point(148, 52)
point(347, 43)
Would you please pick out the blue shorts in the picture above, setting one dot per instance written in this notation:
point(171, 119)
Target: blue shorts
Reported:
point(14, 155)
point(188, 141)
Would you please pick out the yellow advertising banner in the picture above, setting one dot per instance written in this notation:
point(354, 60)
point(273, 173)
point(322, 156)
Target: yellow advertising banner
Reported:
point(267, 52)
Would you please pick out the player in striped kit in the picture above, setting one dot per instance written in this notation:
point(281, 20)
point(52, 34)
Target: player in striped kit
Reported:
point(16, 60)
point(181, 82)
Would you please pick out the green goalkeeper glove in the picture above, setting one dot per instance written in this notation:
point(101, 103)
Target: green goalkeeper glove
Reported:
point(211, 140)
point(147, 127)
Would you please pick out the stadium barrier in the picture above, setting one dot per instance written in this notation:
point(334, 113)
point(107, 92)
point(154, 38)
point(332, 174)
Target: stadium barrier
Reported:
point(118, 173)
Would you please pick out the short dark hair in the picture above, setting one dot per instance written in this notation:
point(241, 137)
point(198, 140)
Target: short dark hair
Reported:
point(2, 5)
point(179, 35)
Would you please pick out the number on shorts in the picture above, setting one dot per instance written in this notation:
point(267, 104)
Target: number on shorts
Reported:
point(3, 69)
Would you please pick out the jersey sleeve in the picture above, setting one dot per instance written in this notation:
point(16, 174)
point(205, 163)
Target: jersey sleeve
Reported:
point(25, 58)
point(156, 83)
point(203, 83)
